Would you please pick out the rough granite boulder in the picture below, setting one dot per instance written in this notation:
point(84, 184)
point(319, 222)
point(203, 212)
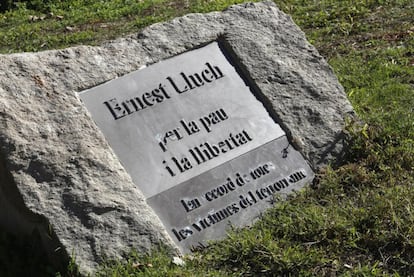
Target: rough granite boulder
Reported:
point(60, 178)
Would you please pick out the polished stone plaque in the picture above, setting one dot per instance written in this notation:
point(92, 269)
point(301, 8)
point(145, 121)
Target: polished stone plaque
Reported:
point(189, 131)
point(178, 118)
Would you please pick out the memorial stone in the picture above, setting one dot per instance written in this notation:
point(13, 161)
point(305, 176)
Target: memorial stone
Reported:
point(166, 137)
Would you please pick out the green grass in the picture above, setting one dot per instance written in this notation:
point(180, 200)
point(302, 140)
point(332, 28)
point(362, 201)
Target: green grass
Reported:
point(355, 220)
point(68, 23)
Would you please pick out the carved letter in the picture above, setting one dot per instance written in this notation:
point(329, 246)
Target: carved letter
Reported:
point(116, 110)
point(175, 86)
point(217, 72)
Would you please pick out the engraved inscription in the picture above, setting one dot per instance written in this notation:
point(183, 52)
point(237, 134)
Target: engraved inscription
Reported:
point(184, 83)
point(197, 143)
point(138, 103)
point(201, 209)
point(205, 150)
point(244, 201)
point(187, 82)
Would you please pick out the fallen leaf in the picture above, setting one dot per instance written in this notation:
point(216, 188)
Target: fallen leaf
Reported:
point(136, 265)
point(348, 266)
point(178, 261)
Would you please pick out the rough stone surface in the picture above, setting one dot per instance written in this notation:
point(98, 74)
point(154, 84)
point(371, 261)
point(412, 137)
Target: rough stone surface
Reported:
point(59, 176)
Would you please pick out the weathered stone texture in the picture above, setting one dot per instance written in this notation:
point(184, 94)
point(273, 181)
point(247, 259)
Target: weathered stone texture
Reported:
point(59, 166)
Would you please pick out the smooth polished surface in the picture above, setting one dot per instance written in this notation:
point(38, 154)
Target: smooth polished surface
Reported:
point(180, 117)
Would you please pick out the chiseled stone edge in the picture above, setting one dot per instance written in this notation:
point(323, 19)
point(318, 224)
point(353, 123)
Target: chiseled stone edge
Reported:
point(58, 158)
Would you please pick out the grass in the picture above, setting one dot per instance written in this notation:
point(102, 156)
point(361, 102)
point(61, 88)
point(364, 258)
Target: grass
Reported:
point(355, 220)
point(68, 23)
